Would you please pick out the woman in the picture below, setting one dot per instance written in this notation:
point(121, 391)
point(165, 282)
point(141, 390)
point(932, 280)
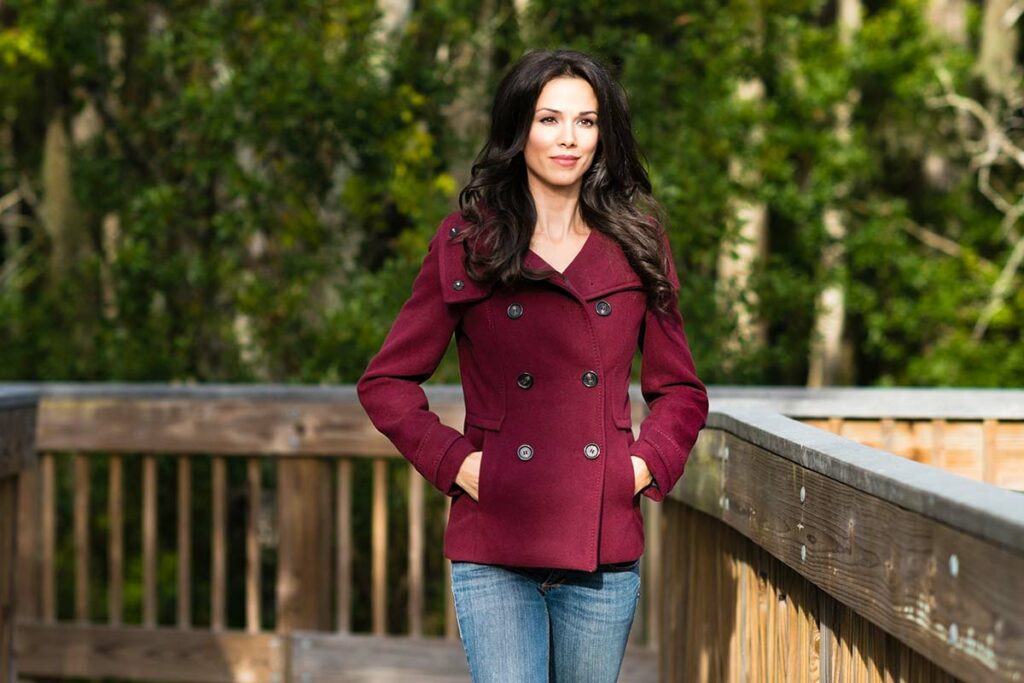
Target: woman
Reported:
point(552, 274)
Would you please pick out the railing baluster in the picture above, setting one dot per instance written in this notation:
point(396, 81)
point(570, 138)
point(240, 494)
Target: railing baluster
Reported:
point(415, 553)
point(989, 430)
point(149, 541)
point(48, 512)
point(28, 572)
point(184, 542)
point(379, 542)
point(343, 503)
point(115, 548)
point(219, 541)
point(252, 548)
point(80, 496)
point(451, 624)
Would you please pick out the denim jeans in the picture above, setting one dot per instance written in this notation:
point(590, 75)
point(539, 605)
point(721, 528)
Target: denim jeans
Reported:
point(530, 625)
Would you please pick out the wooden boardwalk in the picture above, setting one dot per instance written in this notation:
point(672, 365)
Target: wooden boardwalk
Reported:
point(377, 659)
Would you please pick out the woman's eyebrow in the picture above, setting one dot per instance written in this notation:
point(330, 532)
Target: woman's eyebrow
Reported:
point(558, 112)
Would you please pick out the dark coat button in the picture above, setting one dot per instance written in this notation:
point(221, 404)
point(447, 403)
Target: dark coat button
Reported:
point(453, 231)
point(525, 452)
point(589, 378)
point(525, 380)
point(591, 450)
point(603, 307)
point(458, 284)
point(515, 310)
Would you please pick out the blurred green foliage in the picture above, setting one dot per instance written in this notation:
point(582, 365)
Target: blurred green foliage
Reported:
point(275, 170)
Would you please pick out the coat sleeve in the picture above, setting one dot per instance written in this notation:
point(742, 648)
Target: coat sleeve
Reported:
point(389, 389)
point(676, 397)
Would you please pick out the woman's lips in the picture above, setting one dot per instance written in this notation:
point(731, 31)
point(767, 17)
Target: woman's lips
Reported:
point(565, 161)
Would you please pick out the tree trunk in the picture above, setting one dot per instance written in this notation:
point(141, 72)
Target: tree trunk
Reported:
point(828, 365)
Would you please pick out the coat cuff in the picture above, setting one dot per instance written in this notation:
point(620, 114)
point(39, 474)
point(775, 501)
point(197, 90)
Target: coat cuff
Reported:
point(650, 454)
point(450, 463)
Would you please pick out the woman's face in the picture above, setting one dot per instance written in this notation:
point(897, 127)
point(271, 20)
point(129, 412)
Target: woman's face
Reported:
point(563, 133)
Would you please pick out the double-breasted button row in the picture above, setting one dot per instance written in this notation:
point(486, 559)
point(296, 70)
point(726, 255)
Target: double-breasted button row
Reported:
point(525, 379)
point(591, 451)
point(515, 310)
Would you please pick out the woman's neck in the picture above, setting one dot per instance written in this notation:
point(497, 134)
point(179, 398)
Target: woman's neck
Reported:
point(558, 216)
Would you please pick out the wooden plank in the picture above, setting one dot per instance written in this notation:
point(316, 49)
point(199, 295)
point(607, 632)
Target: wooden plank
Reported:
point(8, 567)
point(304, 544)
point(48, 524)
point(149, 541)
point(140, 654)
point(1010, 455)
point(115, 546)
point(343, 502)
point(225, 427)
point(29, 549)
point(252, 548)
point(17, 439)
point(949, 595)
point(218, 542)
point(417, 523)
point(360, 658)
point(184, 542)
point(451, 623)
point(379, 549)
point(80, 494)
point(989, 429)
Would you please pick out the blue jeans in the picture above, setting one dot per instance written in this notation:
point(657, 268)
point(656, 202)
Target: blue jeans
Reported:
point(530, 625)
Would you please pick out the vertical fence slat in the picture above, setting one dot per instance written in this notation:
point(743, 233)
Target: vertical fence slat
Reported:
point(115, 547)
point(27, 576)
point(48, 513)
point(343, 503)
point(149, 541)
point(652, 592)
point(184, 542)
point(416, 530)
point(80, 496)
point(989, 430)
point(219, 543)
point(252, 549)
point(380, 549)
point(451, 624)
point(939, 443)
point(8, 562)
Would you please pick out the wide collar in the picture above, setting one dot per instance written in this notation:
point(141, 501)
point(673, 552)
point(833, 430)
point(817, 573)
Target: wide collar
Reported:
point(599, 269)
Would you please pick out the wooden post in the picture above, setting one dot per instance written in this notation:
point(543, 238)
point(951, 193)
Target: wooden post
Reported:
point(17, 450)
point(304, 548)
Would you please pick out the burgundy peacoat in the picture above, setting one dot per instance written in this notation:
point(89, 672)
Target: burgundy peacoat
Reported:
point(545, 371)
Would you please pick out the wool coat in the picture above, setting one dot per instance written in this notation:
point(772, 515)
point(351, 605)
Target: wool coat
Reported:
point(545, 371)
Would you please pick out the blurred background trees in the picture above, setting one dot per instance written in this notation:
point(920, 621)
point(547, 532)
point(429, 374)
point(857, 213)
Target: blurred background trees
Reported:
point(243, 191)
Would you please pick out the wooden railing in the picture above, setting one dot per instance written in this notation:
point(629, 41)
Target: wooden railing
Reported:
point(239, 486)
point(798, 555)
point(785, 553)
point(17, 450)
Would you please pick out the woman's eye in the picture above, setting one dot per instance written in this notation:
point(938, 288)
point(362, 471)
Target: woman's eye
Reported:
point(547, 118)
point(589, 122)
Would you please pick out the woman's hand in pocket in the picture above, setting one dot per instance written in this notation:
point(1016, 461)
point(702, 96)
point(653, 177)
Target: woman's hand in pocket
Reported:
point(468, 477)
point(641, 475)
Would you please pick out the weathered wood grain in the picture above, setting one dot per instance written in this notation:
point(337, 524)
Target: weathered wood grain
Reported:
point(224, 427)
point(148, 654)
point(944, 592)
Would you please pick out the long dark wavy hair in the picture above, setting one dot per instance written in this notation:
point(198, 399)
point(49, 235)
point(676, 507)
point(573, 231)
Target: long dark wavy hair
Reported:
point(615, 196)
